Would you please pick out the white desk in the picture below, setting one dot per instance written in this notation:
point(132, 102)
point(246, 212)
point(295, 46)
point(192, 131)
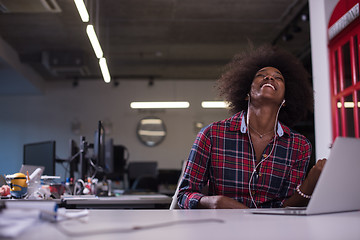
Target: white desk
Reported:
point(227, 224)
point(121, 202)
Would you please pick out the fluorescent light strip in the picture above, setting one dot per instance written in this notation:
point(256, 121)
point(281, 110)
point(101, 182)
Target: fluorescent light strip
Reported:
point(142, 105)
point(94, 41)
point(80, 5)
point(347, 104)
point(104, 70)
point(214, 104)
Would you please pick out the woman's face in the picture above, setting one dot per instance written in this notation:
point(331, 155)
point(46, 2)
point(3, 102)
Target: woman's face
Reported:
point(268, 85)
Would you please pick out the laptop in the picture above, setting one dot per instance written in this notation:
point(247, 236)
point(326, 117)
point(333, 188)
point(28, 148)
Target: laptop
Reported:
point(338, 187)
point(25, 169)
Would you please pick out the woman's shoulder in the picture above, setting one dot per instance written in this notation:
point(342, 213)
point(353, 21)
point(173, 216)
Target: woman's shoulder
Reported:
point(225, 123)
point(299, 139)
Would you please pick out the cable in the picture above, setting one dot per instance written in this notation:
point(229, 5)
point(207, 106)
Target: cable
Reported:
point(134, 228)
point(75, 156)
point(78, 192)
point(252, 147)
point(96, 168)
point(66, 168)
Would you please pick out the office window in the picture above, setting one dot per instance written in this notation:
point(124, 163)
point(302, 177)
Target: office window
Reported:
point(343, 33)
point(344, 62)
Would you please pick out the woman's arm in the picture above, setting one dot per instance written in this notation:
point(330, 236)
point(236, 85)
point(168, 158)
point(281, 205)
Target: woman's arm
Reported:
point(307, 187)
point(196, 172)
point(220, 202)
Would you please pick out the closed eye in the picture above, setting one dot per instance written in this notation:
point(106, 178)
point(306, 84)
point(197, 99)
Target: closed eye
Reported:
point(279, 78)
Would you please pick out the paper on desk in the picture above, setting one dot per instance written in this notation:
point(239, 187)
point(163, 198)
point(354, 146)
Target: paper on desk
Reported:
point(20, 215)
point(47, 209)
point(64, 214)
point(14, 221)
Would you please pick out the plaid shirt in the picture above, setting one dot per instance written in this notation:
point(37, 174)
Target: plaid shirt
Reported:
point(221, 158)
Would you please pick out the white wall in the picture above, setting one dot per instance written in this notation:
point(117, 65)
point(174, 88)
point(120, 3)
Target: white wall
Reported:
point(16, 77)
point(25, 119)
point(320, 12)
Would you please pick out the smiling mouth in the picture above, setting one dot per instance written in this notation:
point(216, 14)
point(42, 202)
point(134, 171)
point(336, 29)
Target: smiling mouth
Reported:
point(268, 85)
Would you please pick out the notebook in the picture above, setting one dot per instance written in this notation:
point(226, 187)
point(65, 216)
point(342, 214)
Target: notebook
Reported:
point(338, 187)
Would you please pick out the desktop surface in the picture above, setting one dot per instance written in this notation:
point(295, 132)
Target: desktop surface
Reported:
point(199, 224)
point(133, 201)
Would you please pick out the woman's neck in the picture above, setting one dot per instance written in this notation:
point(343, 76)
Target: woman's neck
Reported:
point(262, 118)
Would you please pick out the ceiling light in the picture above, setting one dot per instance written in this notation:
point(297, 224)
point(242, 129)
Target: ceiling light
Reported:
point(304, 17)
point(214, 104)
point(80, 5)
point(104, 70)
point(142, 105)
point(347, 105)
point(94, 41)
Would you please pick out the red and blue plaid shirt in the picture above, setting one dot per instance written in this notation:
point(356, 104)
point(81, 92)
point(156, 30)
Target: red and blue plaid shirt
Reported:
point(222, 158)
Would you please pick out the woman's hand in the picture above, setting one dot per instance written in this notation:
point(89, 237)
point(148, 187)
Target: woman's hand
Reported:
point(313, 176)
point(220, 202)
point(308, 186)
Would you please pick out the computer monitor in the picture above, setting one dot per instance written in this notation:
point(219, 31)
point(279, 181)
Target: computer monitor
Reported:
point(115, 160)
point(108, 160)
point(121, 156)
point(109, 156)
point(95, 164)
point(74, 157)
point(41, 154)
point(99, 150)
point(99, 147)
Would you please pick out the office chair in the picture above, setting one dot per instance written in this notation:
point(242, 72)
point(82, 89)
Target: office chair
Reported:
point(143, 176)
point(145, 184)
point(174, 204)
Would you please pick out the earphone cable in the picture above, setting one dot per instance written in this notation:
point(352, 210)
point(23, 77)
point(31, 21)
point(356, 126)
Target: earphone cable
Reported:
point(252, 148)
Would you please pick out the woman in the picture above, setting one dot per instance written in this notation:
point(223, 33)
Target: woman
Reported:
point(251, 159)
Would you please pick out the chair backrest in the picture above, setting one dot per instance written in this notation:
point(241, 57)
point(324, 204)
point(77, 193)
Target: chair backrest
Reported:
point(174, 204)
point(136, 170)
point(145, 184)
